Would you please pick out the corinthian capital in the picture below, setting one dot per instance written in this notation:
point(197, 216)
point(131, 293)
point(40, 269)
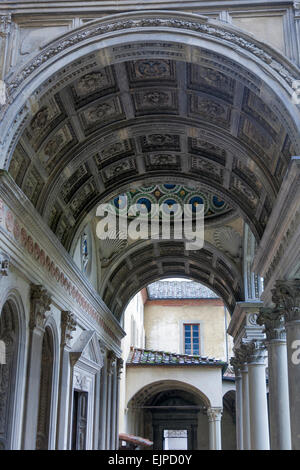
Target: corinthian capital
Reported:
point(5, 22)
point(272, 319)
point(120, 365)
point(286, 295)
point(214, 414)
point(236, 363)
point(111, 361)
point(68, 324)
point(254, 351)
point(40, 305)
point(4, 264)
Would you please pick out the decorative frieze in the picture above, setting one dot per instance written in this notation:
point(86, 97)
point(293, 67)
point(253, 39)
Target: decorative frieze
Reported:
point(40, 305)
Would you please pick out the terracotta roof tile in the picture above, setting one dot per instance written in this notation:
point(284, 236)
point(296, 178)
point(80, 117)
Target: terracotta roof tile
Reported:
point(142, 357)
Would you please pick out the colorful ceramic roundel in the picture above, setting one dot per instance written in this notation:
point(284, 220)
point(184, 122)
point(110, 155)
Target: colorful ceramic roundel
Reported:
point(172, 194)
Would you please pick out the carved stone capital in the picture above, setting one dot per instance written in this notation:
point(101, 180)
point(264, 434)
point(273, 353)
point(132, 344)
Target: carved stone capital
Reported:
point(111, 362)
point(68, 324)
point(5, 22)
point(272, 319)
point(214, 414)
point(254, 351)
point(4, 264)
point(286, 295)
point(237, 365)
point(40, 305)
point(120, 365)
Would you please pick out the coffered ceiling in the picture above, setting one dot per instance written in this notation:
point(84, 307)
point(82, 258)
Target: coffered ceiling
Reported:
point(97, 132)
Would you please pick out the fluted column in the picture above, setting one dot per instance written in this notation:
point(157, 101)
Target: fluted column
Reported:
point(103, 403)
point(241, 357)
point(68, 324)
point(39, 312)
point(120, 363)
point(280, 432)
point(110, 366)
point(214, 425)
point(286, 295)
point(238, 402)
point(114, 407)
point(259, 425)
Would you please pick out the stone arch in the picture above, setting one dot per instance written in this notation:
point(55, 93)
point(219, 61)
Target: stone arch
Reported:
point(188, 36)
point(13, 336)
point(153, 388)
point(120, 278)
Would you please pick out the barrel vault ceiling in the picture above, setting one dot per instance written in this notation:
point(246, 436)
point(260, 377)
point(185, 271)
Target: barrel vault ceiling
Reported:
point(97, 132)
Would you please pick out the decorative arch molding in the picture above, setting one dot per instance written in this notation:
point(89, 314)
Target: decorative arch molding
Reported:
point(12, 305)
point(270, 65)
point(119, 35)
point(151, 389)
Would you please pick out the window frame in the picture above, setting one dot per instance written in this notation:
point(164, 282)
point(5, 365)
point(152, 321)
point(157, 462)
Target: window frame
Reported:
point(200, 330)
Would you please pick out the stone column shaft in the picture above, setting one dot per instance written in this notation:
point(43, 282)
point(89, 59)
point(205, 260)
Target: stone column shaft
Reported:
point(286, 296)
point(214, 425)
point(245, 409)
point(40, 306)
point(259, 423)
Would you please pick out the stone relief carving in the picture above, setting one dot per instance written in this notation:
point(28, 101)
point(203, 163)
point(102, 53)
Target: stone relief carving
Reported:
point(4, 264)
point(157, 98)
point(272, 319)
point(91, 82)
point(229, 241)
point(152, 68)
point(102, 111)
point(68, 324)
point(155, 67)
point(40, 305)
point(286, 296)
point(119, 168)
point(5, 23)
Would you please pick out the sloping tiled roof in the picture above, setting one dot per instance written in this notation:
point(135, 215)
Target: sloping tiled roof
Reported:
point(144, 357)
point(179, 290)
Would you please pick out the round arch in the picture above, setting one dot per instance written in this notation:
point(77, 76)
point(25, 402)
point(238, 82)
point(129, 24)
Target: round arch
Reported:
point(13, 326)
point(181, 36)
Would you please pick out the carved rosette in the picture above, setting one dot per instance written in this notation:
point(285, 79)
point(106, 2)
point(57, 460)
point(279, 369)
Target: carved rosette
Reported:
point(40, 305)
point(120, 365)
point(214, 414)
point(286, 295)
point(68, 324)
point(272, 319)
point(254, 352)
